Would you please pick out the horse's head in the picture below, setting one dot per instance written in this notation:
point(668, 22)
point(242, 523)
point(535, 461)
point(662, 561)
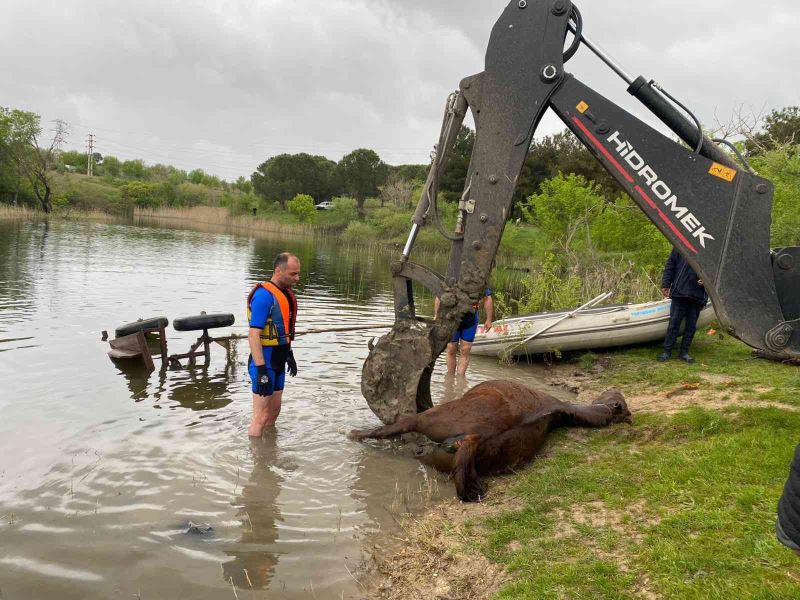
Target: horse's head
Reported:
point(615, 402)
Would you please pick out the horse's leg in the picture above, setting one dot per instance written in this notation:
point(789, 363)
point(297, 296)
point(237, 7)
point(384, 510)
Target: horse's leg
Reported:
point(468, 485)
point(582, 415)
point(402, 425)
point(512, 448)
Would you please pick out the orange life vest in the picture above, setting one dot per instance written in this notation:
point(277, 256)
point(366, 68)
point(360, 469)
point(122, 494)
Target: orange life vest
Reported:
point(279, 328)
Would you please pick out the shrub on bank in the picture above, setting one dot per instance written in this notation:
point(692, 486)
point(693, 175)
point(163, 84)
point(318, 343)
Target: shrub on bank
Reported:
point(359, 232)
point(302, 207)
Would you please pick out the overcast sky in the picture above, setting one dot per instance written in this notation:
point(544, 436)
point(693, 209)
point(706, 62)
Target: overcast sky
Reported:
point(224, 84)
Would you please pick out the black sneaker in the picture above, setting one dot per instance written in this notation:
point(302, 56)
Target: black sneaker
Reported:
point(686, 358)
point(663, 357)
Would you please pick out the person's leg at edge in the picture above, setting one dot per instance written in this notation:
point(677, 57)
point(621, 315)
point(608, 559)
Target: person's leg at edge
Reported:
point(676, 313)
point(692, 311)
point(452, 350)
point(463, 363)
point(273, 408)
point(260, 414)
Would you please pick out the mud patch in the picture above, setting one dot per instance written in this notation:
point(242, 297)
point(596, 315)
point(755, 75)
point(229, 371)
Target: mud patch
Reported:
point(625, 524)
point(433, 559)
point(714, 392)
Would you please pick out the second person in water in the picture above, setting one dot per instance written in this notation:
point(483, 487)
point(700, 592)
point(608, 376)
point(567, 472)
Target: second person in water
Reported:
point(461, 344)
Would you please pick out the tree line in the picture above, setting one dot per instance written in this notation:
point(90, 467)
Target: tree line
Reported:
point(28, 157)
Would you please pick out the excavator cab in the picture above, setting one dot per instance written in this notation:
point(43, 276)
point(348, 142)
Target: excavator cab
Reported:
point(715, 210)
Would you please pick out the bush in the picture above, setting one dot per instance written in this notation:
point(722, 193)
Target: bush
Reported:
point(344, 212)
point(143, 195)
point(302, 207)
point(192, 194)
point(624, 228)
point(565, 209)
point(359, 232)
point(392, 223)
point(240, 204)
point(782, 166)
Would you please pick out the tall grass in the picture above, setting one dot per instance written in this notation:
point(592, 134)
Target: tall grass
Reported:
point(220, 217)
point(9, 212)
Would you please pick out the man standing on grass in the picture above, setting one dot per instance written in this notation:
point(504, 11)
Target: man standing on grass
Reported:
point(680, 283)
point(787, 527)
point(272, 312)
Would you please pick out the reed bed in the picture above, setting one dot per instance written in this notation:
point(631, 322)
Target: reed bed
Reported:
point(220, 217)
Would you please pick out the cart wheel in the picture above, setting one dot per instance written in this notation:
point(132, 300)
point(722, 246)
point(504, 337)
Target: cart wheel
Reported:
point(198, 322)
point(145, 325)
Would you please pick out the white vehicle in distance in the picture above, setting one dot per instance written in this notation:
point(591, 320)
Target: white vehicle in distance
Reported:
point(325, 205)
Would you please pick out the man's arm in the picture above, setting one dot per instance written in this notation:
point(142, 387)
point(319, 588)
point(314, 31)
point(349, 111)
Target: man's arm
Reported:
point(668, 276)
point(259, 311)
point(256, 350)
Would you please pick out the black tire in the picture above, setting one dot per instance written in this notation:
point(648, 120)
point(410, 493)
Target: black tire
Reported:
point(141, 325)
point(198, 322)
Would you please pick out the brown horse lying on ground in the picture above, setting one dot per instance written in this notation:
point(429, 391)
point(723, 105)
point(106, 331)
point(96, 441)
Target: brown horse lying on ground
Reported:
point(497, 426)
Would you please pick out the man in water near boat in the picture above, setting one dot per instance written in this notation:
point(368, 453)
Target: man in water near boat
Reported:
point(461, 343)
point(272, 312)
point(680, 283)
point(787, 527)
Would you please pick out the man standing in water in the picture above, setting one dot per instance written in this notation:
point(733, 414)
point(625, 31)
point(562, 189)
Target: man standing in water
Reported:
point(271, 312)
point(461, 344)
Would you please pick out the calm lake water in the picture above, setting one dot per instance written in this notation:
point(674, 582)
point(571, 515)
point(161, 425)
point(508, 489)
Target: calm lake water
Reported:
point(102, 468)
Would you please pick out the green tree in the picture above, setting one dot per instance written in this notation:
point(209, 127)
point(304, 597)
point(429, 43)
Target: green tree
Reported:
point(622, 227)
point(133, 169)
point(782, 166)
point(284, 176)
point(112, 166)
point(452, 182)
point(781, 128)
point(362, 172)
point(142, 194)
point(562, 153)
point(565, 209)
point(302, 206)
point(72, 160)
point(243, 185)
point(32, 161)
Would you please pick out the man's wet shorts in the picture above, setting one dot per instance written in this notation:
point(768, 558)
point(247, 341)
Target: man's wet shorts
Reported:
point(470, 328)
point(276, 378)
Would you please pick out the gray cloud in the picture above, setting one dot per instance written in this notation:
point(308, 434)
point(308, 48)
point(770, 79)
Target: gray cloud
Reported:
point(222, 85)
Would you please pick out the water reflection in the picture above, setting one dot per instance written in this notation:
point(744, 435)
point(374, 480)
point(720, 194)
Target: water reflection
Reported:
point(136, 376)
point(252, 566)
point(22, 250)
point(197, 389)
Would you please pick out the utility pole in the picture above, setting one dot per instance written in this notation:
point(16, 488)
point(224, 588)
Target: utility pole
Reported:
point(90, 154)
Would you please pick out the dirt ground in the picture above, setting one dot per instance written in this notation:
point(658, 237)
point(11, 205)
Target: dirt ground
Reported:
point(429, 563)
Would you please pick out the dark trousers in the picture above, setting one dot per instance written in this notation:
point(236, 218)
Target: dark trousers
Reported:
point(682, 309)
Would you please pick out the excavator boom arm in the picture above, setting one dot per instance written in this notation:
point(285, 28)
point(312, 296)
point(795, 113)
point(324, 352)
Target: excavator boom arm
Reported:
point(712, 210)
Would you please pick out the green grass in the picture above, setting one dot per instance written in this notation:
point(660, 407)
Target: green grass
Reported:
point(684, 507)
point(678, 506)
